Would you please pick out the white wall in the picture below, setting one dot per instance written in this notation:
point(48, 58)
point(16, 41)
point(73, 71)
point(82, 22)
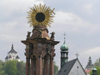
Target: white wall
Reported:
point(13, 56)
point(77, 71)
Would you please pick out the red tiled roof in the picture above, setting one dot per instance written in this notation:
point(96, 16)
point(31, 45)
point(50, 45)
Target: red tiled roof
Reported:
point(87, 71)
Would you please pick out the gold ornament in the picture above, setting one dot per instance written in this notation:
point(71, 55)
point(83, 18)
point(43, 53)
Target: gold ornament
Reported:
point(40, 15)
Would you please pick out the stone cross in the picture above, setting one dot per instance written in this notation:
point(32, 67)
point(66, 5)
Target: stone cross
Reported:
point(64, 36)
point(77, 55)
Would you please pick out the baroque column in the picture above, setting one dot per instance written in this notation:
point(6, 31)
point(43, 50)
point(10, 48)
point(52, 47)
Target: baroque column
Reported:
point(39, 65)
point(27, 66)
point(51, 72)
point(33, 66)
point(46, 65)
point(32, 73)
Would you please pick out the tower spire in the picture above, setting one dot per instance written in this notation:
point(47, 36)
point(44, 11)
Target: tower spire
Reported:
point(12, 47)
point(64, 38)
point(77, 55)
point(64, 52)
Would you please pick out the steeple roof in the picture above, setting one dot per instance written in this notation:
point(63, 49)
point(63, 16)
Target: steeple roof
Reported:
point(17, 57)
point(6, 57)
point(12, 50)
point(66, 69)
point(89, 65)
point(64, 46)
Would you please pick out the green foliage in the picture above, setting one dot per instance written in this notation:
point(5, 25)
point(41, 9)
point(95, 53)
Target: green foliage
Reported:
point(21, 68)
point(14, 68)
point(17, 68)
point(98, 70)
point(11, 68)
point(91, 72)
point(97, 66)
point(97, 63)
point(55, 69)
point(2, 72)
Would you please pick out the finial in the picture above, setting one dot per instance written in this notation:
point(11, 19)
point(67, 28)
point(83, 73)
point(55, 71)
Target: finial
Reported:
point(64, 37)
point(99, 59)
point(12, 47)
point(77, 55)
point(40, 15)
point(90, 58)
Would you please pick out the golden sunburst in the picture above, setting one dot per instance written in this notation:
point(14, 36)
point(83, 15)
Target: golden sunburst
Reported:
point(40, 15)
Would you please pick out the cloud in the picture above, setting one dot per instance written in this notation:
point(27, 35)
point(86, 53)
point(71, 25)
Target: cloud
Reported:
point(88, 8)
point(85, 54)
point(67, 18)
point(92, 52)
point(71, 22)
point(14, 27)
point(14, 13)
point(9, 7)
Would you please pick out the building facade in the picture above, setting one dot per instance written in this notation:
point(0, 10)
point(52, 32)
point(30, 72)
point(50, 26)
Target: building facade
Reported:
point(64, 53)
point(72, 67)
point(12, 55)
point(89, 66)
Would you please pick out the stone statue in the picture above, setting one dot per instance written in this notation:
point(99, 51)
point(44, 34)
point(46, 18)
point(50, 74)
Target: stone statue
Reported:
point(40, 33)
point(52, 36)
point(28, 35)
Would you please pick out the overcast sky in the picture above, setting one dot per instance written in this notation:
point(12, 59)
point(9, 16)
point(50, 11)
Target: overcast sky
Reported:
point(79, 19)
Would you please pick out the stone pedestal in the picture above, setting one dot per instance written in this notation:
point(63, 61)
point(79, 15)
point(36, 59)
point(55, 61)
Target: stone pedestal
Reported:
point(32, 66)
point(46, 65)
point(39, 66)
point(51, 66)
point(27, 66)
point(40, 50)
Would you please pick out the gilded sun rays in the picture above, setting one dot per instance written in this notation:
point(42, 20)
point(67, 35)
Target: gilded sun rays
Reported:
point(40, 15)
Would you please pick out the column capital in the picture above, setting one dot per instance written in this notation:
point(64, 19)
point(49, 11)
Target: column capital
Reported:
point(52, 58)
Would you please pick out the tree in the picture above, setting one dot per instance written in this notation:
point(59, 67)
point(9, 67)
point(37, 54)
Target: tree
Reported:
point(55, 68)
point(1, 70)
point(98, 70)
point(97, 63)
point(97, 66)
point(11, 68)
point(21, 68)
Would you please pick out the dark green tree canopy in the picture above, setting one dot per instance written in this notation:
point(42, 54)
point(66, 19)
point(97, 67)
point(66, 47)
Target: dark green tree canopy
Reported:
point(17, 68)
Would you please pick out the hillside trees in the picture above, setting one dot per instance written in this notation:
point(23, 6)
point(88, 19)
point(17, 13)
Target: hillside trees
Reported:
point(17, 68)
point(21, 68)
point(1, 70)
point(55, 68)
point(10, 68)
point(97, 66)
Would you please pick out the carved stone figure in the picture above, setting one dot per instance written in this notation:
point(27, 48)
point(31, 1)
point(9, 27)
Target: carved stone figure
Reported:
point(52, 36)
point(28, 35)
point(40, 33)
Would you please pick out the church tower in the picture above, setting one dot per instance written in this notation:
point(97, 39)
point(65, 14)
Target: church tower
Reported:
point(64, 53)
point(12, 55)
point(40, 48)
point(89, 64)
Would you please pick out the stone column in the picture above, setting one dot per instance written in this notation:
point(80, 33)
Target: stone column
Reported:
point(46, 65)
point(33, 66)
point(27, 66)
point(32, 72)
point(39, 65)
point(51, 71)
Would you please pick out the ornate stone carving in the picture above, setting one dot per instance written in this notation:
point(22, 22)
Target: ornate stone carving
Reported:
point(52, 36)
point(28, 35)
